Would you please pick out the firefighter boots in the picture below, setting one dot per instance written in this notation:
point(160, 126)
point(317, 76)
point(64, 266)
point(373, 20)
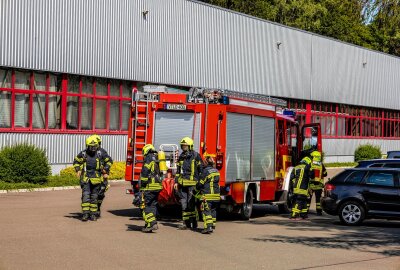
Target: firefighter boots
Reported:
point(93, 217)
point(85, 217)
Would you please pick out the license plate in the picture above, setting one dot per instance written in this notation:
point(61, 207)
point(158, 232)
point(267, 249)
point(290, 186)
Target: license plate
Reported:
point(175, 107)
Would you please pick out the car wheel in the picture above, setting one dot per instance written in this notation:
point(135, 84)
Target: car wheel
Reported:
point(351, 213)
point(247, 206)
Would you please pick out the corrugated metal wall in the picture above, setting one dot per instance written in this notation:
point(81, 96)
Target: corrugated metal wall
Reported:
point(62, 148)
point(346, 147)
point(182, 42)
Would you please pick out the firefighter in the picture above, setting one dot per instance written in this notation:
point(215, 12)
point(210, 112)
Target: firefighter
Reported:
point(300, 178)
point(89, 165)
point(150, 187)
point(189, 168)
point(207, 190)
point(317, 183)
point(104, 186)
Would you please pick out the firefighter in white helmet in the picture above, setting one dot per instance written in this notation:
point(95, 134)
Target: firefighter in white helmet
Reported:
point(187, 176)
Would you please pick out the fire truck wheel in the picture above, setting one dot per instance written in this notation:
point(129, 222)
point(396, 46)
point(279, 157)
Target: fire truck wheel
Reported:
point(283, 208)
point(286, 207)
point(247, 206)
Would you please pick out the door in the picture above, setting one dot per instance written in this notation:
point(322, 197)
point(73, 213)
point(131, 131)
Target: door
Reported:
point(381, 192)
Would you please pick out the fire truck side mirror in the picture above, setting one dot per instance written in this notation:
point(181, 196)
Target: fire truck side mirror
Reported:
point(220, 116)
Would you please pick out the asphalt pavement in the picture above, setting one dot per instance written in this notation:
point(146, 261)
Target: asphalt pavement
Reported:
point(42, 230)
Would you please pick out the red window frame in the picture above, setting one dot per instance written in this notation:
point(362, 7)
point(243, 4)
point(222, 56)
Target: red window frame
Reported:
point(359, 122)
point(64, 94)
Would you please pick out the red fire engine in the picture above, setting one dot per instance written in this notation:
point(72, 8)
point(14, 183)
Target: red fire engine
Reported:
point(255, 141)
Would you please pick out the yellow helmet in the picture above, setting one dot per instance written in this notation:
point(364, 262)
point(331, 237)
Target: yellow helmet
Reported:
point(147, 148)
point(98, 138)
point(316, 156)
point(92, 143)
point(187, 141)
point(209, 158)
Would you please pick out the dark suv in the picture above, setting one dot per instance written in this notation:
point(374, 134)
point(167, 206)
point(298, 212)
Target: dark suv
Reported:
point(359, 193)
point(378, 163)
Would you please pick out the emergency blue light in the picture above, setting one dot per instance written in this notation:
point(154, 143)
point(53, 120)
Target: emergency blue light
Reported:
point(289, 113)
point(225, 100)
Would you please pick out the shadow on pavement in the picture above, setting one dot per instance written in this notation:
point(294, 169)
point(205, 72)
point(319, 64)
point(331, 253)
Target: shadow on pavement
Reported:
point(368, 237)
point(74, 215)
point(132, 227)
point(129, 212)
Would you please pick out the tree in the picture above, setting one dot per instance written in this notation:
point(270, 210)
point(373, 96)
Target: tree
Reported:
point(370, 23)
point(384, 24)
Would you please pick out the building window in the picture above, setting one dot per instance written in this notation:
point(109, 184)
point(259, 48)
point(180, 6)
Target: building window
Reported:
point(347, 121)
point(60, 103)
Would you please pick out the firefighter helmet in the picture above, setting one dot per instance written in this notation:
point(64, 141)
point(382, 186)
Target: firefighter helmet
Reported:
point(148, 148)
point(92, 144)
point(316, 156)
point(98, 138)
point(187, 141)
point(209, 158)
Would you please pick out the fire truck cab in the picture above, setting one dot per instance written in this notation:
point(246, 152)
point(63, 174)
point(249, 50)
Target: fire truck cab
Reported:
point(255, 140)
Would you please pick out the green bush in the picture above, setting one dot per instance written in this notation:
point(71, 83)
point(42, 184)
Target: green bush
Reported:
point(367, 151)
point(24, 163)
point(117, 171)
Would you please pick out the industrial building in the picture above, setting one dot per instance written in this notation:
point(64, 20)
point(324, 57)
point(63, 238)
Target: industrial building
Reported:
point(67, 69)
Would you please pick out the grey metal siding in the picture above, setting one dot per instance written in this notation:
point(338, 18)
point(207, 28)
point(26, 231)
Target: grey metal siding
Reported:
point(181, 42)
point(62, 148)
point(346, 147)
point(347, 74)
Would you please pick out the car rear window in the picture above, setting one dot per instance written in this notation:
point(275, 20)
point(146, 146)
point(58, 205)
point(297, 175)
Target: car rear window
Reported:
point(339, 178)
point(380, 179)
point(355, 177)
point(392, 165)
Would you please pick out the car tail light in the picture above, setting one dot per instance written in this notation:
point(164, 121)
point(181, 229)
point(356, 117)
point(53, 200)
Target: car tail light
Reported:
point(329, 187)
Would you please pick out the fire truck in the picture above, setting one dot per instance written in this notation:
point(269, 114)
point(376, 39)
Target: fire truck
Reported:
point(255, 140)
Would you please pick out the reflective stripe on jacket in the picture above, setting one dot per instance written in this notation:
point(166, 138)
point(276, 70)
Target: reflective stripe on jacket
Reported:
point(189, 168)
point(208, 185)
point(150, 174)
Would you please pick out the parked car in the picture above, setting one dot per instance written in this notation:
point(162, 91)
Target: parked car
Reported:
point(379, 163)
point(360, 193)
point(393, 154)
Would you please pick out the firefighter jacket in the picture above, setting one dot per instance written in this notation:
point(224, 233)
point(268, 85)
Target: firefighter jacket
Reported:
point(93, 165)
point(189, 168)
point(300, 178)
point(319, 171)
point(208, 185)
point(150, 179)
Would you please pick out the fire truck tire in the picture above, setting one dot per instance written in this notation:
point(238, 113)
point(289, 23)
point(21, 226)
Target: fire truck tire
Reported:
point(247, 206)
point(283, 208)
point(286, 207)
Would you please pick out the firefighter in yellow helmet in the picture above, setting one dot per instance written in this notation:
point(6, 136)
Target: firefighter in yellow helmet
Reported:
point(300, 178)
point(104, 186)
point(188, 171)
point(317, 183)
point(150, 186)
point(89, 165)
point(207, 191)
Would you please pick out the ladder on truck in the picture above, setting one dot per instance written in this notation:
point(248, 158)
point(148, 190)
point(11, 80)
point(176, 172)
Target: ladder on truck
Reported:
point(140, 125)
